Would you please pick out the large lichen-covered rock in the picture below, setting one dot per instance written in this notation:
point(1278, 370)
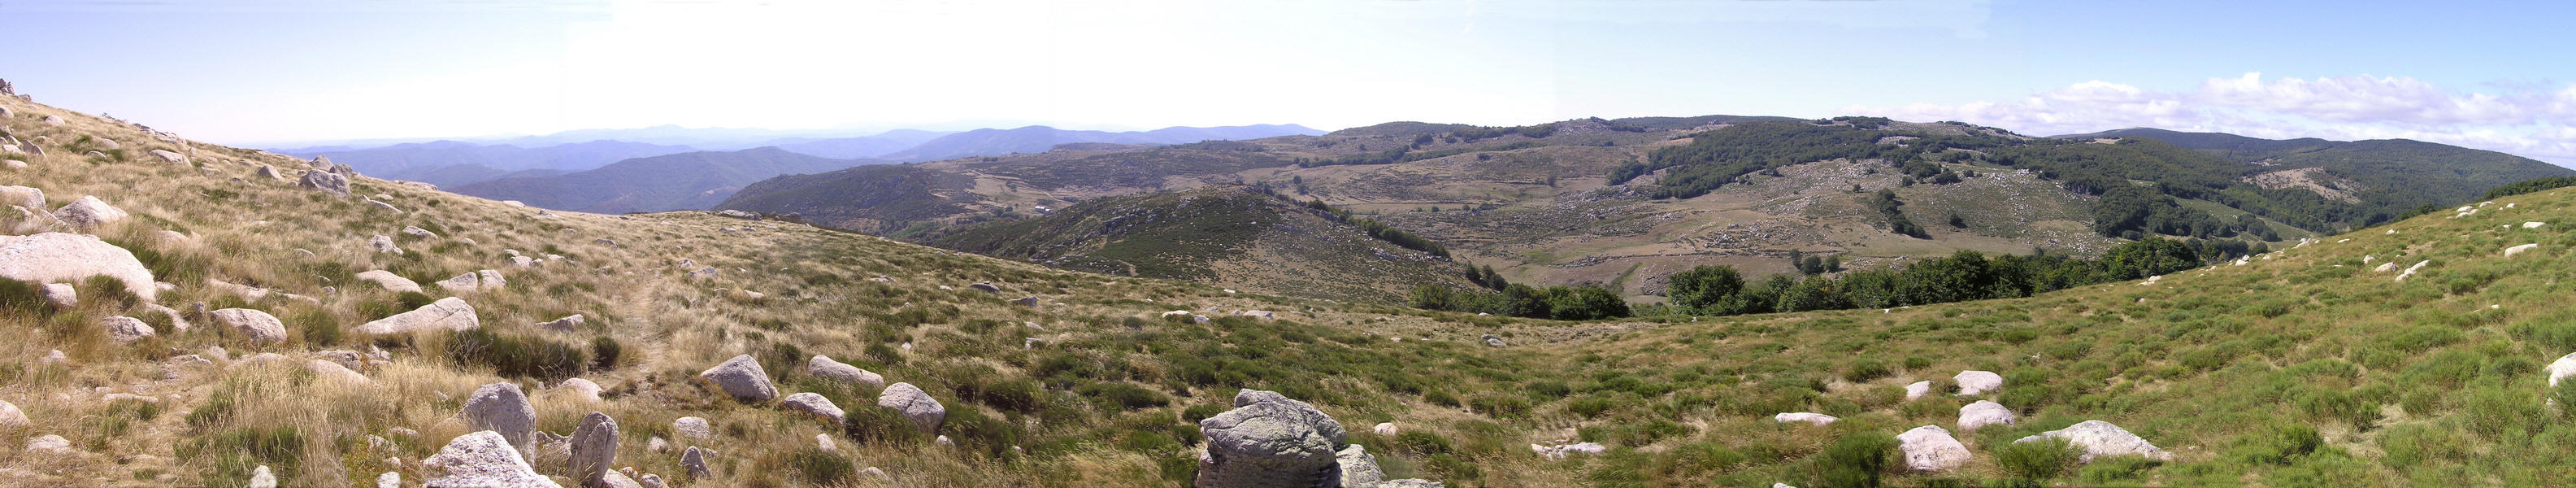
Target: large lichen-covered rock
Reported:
point(1978, 382)
point(449, 313)
point(742, 378)
point(89, 212)
point(925, 412)
point(324, 181)
point(1269, 441)
point(814, 403)
point(594, 449)
point(1984, 413)
point(483, 459)
point(392, 282)
point(2098, 438)
point(60, 257)
point(503, 409)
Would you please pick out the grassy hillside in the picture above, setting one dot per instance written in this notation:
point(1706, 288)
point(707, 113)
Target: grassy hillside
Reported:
point(2304, 367)
point(1230, 236)
point(680, 181)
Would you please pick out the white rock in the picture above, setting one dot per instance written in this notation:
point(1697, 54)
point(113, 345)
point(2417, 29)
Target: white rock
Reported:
point(170, 157)
point(824, 366)
point(261, 478)
point(332, 371)
point(392, 282)
point(742, 378)
point(2533, 225)
point(449, 313)
point(2098, 438)
point(49, 443)
point(565, 324)
point(389, 480)
point(500, 408)
point(260, 326)
point(1930, 448)
point(916, 405)
point(62, 296)
point(580, 389)
point(2510, 251)
point(1984, 413)
point(692, 427)
point(1384, 428)
point(1808, 417)
point(10, 416)
point(1917, 389)
point(1974, 382)
point(810, 402)
point(2564, 367)
point(23, 196)
point(60, 257)
point(383, 244)
point(483, 459)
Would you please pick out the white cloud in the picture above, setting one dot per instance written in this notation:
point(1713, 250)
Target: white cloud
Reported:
point(2529, 122)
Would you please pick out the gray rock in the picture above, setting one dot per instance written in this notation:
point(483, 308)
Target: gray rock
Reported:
point(178, 323)
point(1490, 340)
point(419, 233)
point(260, 326)
point(692, 427)
point(10, 416)
point(1978, 382)
point(483, 460)
point(392, 282)
point(1984, 413)
point(707, 273)
point(814, 403)
point(1269, 440)
point(389, 480)
point(62, 296)
point(89, 212)
point(261, 478)
point(1031, 301)
point(383, 206)
point(594, 449)
point(170, 157)
point(267, 173)
point(503, 409)
point(1930, 448)
point(49, 443)
point(324, 181)
point(650, 481)
point(986, 287)
point(23, 196)
point(566, 324)
point(449, 313)
point(2098, 438)
point(695, 460)
point(580, 389)
point(742, 378)
point(825, 367)
point(383, 244)
point(332, 371)
point(925, 412)
point(1359, 469)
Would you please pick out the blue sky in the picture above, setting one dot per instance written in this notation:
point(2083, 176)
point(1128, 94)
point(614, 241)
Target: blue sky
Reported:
point(2487, 75)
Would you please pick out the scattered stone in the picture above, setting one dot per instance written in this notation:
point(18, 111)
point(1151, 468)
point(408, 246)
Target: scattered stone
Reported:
point(943, 441)
point(1258, 314)
point(1490, 340)
point(707, 273)
point(580, 389)
point(484, 459)
point(2564, 367)
point(2098, 438)
point(1561, 452)
point(55, 256)
point(2410, 270)
point(1917, 390)
point(10, 416)
point(267, 173)
point(389, 480)
point(260, 326)
point(814, 403)
point(1384, 429)
point(986, 287)
point(566, 324)
point(392, 282)
point(2386, 267)
point(1031, 301)
point(742, 378)
point(23, 196)
point(170, 157)
point(449, 313)
point(335, 372)
point(695, 460)
point(1978, 382)
point(502, 409)
point(1930, 448)
point(1358, 467)
point(383, 206)
point(824, 442)
point(62, 296)
point(324, 181)
point(2510, 251)
point(88, 212)
point(383, 244)
point(1984, 413)
point(1811, 418)
point(594, 448)
point(1269, 440)
point(650, 481)
point(924, 411)
point(49, 443)
point(54, 357)
point(2532, 225)
point(260, 477)
point(824, 366)
point(692, 427)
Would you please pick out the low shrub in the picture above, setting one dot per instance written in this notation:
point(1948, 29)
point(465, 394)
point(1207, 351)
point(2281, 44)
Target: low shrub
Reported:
point(2038, 460)
point(513, 356)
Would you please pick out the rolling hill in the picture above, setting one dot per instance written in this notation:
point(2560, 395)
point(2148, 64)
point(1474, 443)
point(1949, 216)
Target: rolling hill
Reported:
point(1228, 235)
point(1038, 139)
point(660, 183)
point(449, 163)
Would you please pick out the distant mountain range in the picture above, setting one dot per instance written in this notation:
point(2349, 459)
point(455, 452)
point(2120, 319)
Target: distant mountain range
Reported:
point(661, 183)
point(446, 163)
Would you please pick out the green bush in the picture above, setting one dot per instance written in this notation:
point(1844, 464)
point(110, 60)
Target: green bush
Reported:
point(1856, 461)
point(977, 433)
point(1866, 369)
point(604, 352)
point(23, 298)
point(869, 425)
point(106, 289)
point(1114, 397)
point(1196, 413)
point(2276, 445)
point(412, 300)
point(518, 357)
point(1441, 398)
point(2110, 470)
point(821, 467)
point(235, 453)
point(1500, 406)
point(1419, 443)
point(2038, 460)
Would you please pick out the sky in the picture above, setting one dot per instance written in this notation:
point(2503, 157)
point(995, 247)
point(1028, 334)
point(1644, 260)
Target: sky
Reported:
point(261, 73)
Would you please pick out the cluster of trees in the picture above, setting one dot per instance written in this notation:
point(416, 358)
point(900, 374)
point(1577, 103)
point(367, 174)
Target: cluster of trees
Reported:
point(1717, 157)
point(1381, 231)
point(1407, 154)
point(2528, 186)
point(1586, 302)
point(1471, 134)
point(1886, 204)
point(1811, 265)
point(1966, 275)
point(1486, 277)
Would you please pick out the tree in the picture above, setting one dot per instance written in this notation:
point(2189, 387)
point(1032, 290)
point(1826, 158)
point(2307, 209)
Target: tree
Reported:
point(1585, 303)
point(1704, 287)
point(1433, 297)
point(1525, 301)
point(2150, 257)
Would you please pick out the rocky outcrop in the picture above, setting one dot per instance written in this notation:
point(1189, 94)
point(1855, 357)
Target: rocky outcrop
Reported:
point(1359, 469)
point(594, 449)
point(824, 367)
point(392, 282)
point(89, 212)
point(483, 459)
point(1268, 441)
point(449, 313)
point(925, 412)
point(1984, 413)
point(742, 378)
point(60, 257)
point(23, 196)
point(1974, 382)
point(260, 326)
point(324, 181)
point(2098, 438)
point(814, 403)
point(503, 409)
point(1930, 448)
point(472, 282)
